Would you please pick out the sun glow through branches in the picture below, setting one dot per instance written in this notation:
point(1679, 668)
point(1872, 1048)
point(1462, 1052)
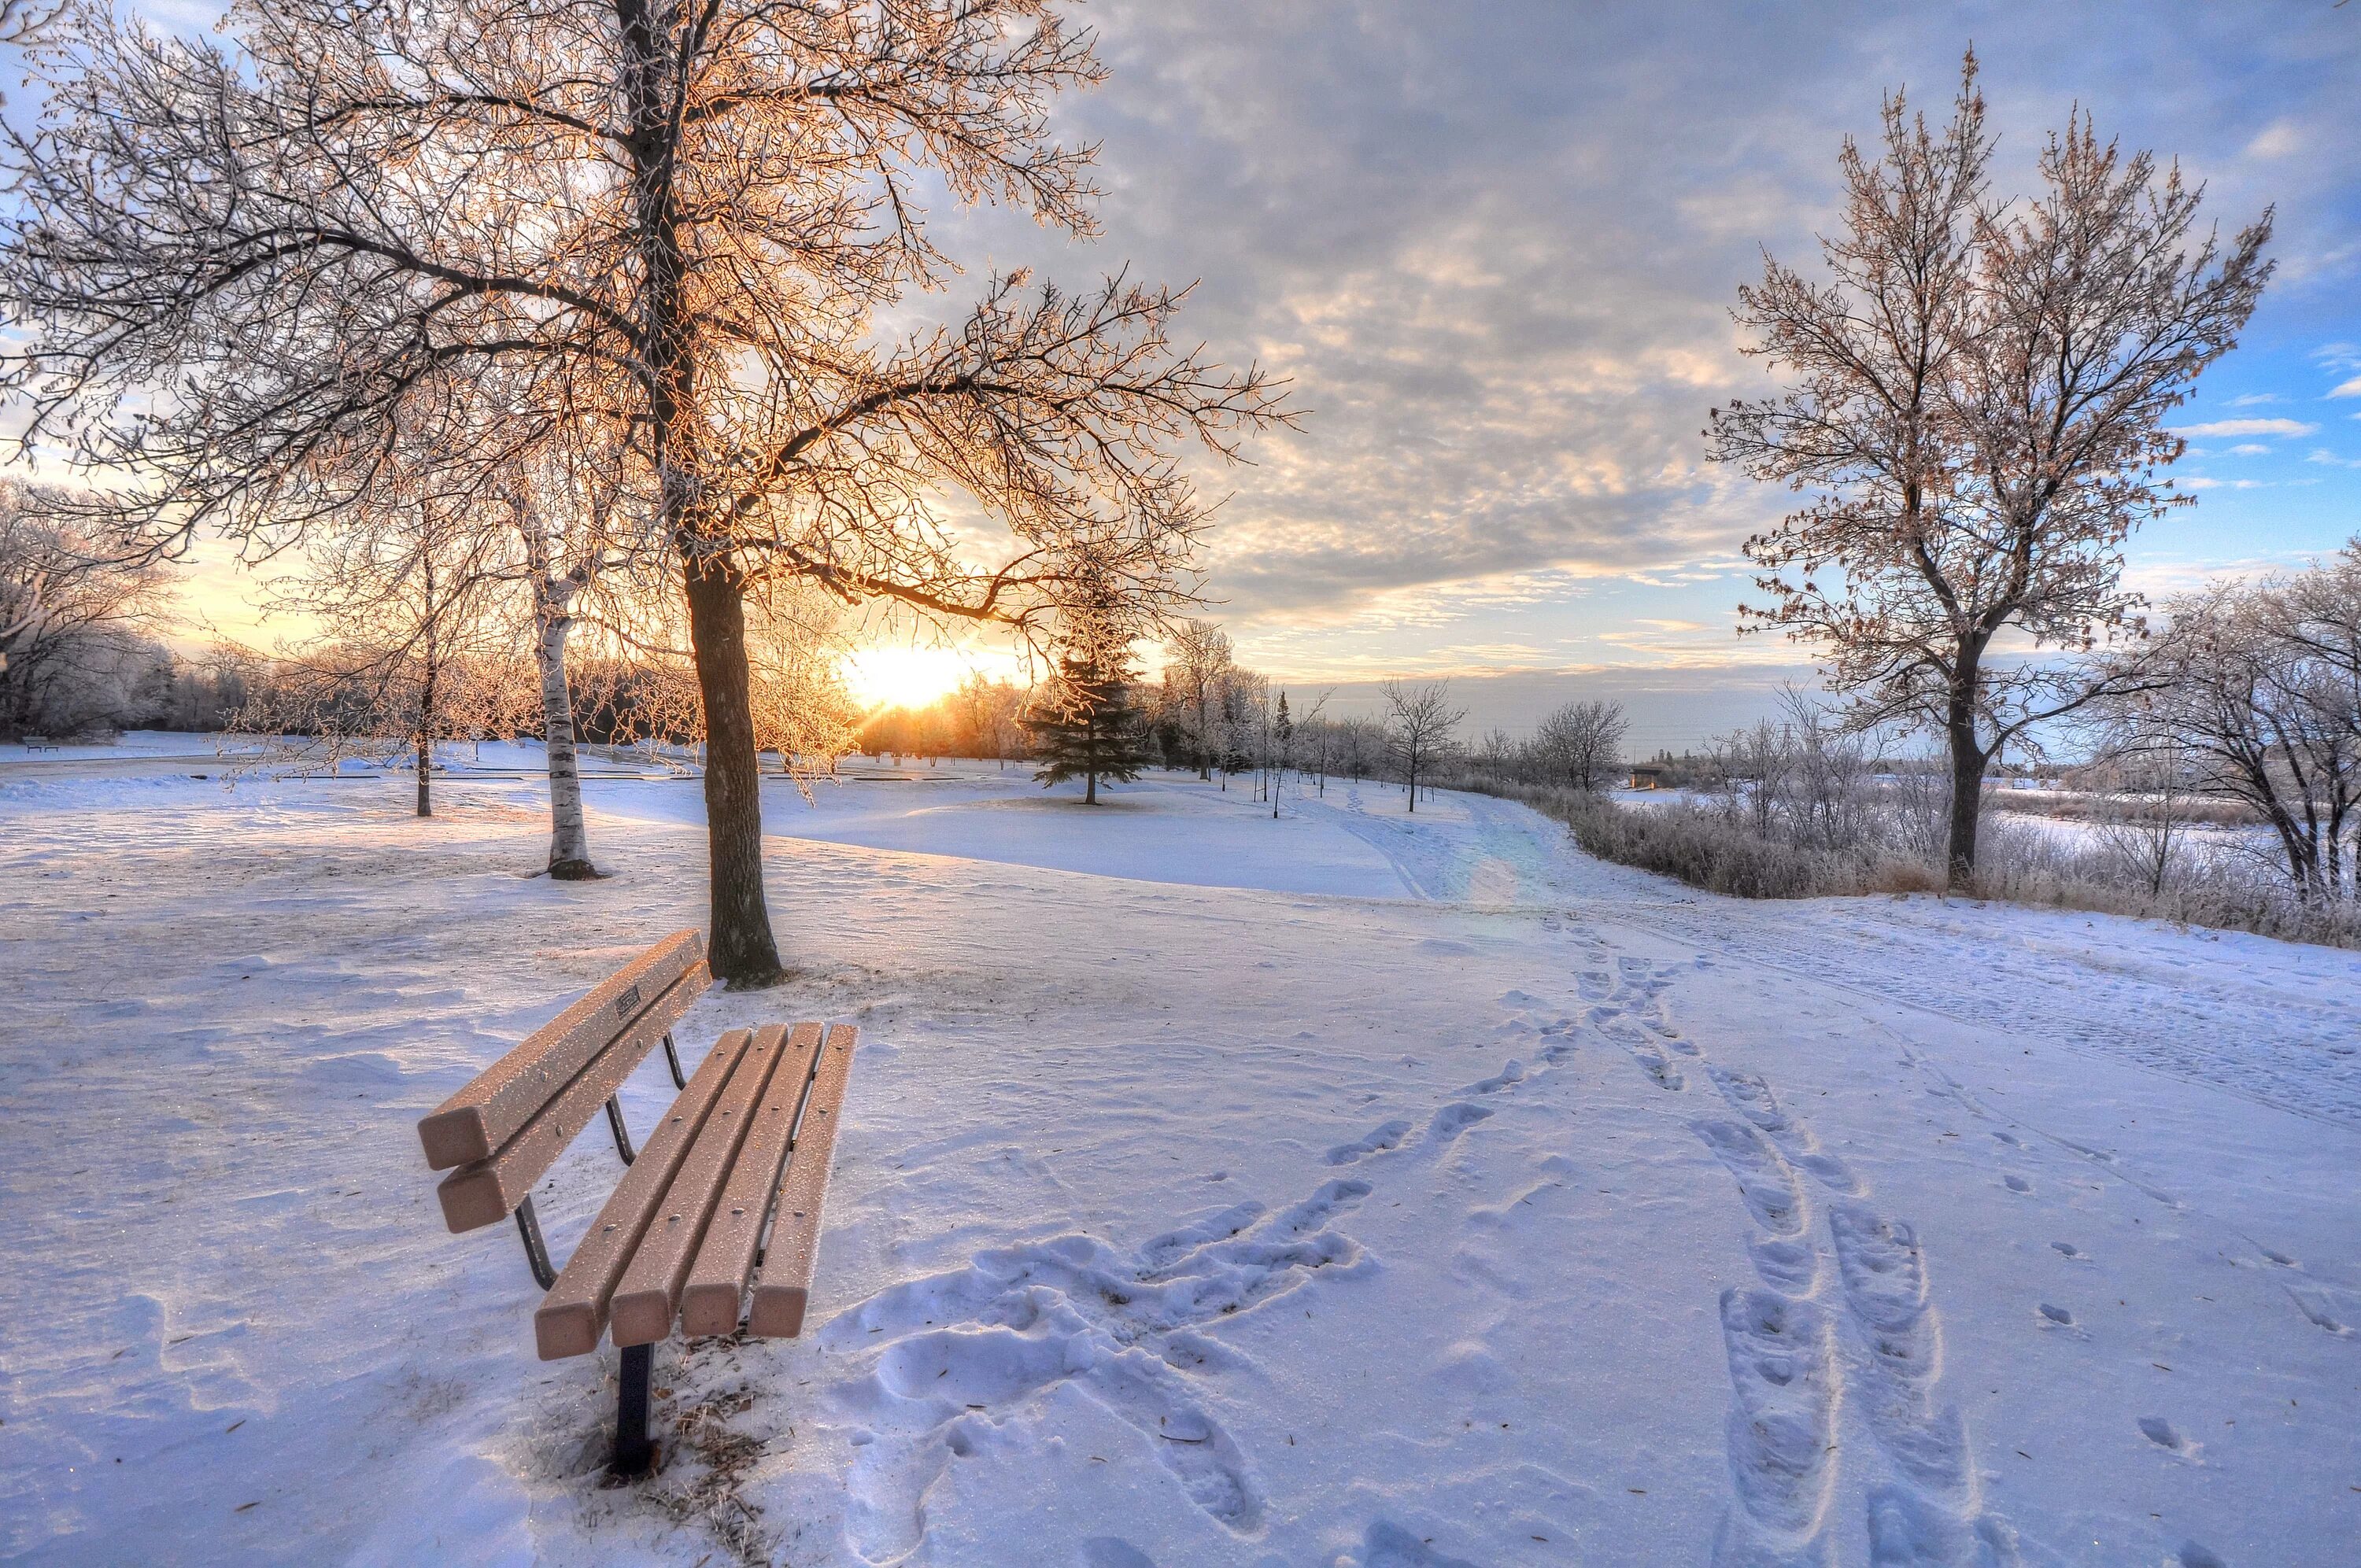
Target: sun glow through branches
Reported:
point(904, 678)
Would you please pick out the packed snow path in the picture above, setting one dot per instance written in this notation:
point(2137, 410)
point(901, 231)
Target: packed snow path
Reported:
point(1436, 1196)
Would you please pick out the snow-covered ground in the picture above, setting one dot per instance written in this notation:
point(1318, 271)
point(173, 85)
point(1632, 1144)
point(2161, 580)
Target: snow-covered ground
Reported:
point(1354, 1188)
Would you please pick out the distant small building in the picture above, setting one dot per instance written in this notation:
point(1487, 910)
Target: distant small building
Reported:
point(1645, 778)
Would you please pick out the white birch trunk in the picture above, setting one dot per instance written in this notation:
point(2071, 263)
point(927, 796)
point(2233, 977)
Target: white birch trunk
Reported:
point(553, 616)
point(569, 837)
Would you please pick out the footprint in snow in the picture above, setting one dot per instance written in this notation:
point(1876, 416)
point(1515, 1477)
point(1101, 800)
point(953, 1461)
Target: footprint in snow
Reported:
point(2016, 1183)
point(2162, 1433)
point(1751, 1096)
point(1451, 1122)
point(1386, 1136)
point(1443, 1129)
point(945, 1361)
point(2314, 1307)
point(1389, 1545)
point(1781, 1429)
point(1763, 1179)
point(1651, 1060)
point(1514, 1073)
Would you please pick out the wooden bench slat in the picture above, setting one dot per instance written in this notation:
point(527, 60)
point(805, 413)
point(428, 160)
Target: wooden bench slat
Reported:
point(641, 1310)
point(486, 1192)
point(783, 1290)
point(717, 1281)
point(501, 1099)
point(574, 1314)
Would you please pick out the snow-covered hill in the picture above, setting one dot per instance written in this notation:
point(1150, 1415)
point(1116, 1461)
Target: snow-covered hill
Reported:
point(1351, 1187)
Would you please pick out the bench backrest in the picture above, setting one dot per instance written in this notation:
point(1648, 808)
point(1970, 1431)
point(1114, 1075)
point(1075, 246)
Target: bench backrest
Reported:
point(509, 1124)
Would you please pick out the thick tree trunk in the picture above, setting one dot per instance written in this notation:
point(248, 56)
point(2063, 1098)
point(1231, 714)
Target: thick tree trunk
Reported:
point(740, 949)
point(1967, 802)
point(569, 837)
point(425, 771)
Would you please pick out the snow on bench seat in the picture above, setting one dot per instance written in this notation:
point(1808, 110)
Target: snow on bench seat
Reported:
point(574, 1314)
point(785, 1288)
point(647, 1300)
point(717, 1281)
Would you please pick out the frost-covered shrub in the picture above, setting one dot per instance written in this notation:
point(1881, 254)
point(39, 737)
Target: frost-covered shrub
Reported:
point(1714, 845)
point(1700, 846)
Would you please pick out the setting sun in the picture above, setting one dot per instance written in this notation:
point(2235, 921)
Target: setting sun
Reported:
point(904, 678)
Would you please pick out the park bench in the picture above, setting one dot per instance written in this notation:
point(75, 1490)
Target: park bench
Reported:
point(715, 1222)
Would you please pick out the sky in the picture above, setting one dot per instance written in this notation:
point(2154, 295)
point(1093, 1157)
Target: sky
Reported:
point(1494, 245)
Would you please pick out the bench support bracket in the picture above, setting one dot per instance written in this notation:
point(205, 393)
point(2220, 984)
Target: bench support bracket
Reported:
point(634, 1454)
point(622, 1133)
point(672, 1059)
point(537, 1251)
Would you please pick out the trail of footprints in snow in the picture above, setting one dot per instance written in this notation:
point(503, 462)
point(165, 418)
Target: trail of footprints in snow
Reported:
point(1790, 1352)
point(944, 1353)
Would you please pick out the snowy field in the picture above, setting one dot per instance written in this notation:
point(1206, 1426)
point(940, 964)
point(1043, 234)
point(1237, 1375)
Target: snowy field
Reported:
point(1351, 1188)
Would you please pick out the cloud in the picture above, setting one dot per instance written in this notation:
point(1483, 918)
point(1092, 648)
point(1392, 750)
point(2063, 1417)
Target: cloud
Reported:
point(2247, 427)
point(2329, 459)
point(2252, 399)
point(2346, 389)
point(2277, 140)
point(2248, 449)
point(1497, 258)
point(2162, 580)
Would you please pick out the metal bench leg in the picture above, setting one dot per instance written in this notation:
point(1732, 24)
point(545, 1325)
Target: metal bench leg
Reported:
point(679, 1079)
point(634, 1454)
point(622, 1133)
point(536, 1252)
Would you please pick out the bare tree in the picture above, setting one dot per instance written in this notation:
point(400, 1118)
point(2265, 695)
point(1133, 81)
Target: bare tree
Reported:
point(1419, 723)
point(1978, 406)
point(1582, 741)
point(672, 220)
point(2318, 613)
point(2255, 690)
point(1496, 756)
point(802, 709)
point(1290, 734)
point(1753, 767)
point(2153, 768)
point(1198, 656)
point(415, 653)
point(1238, 698)
point(70, 609)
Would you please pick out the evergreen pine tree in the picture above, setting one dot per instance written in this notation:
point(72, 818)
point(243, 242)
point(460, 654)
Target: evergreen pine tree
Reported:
point(1084, 726)
point(1282, 747)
